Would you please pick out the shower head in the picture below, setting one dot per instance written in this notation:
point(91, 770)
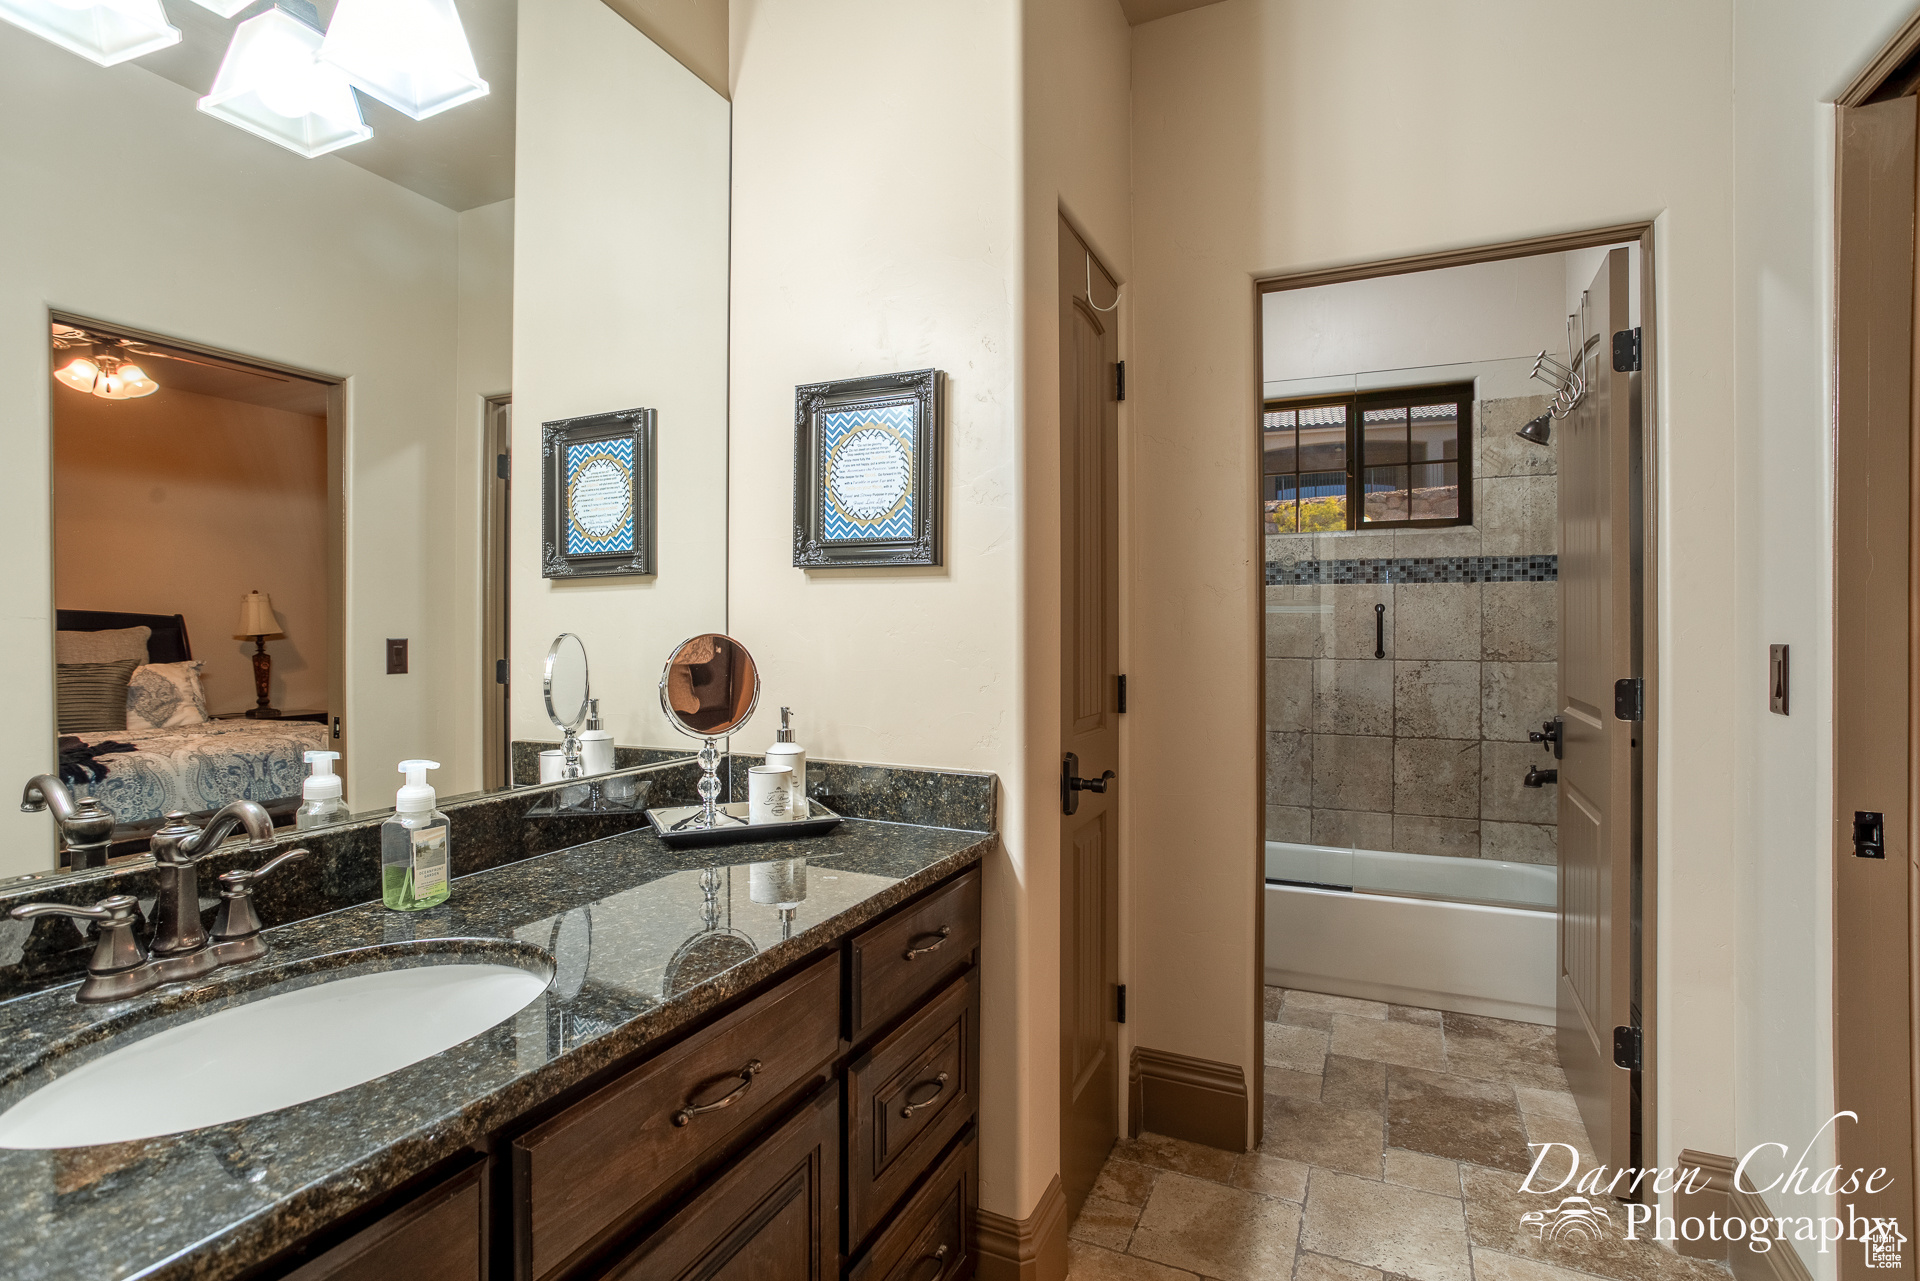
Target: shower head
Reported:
point(1538, 430)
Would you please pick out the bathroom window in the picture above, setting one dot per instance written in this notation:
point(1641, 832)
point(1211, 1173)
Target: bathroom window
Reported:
point(1375, 460)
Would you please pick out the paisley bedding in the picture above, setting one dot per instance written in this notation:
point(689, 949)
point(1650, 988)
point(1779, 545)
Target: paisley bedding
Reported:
point(202, 767)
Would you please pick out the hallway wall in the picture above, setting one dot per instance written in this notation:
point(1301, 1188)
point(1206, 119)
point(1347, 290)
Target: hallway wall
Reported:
point(1238, 142)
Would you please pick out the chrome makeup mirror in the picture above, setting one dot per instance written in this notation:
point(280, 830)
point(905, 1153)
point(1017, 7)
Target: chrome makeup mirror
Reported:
point(708, 690)
point(566, 687)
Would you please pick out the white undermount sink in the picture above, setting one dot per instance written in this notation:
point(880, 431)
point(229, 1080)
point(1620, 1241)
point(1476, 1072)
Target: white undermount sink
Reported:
point(269, 1053)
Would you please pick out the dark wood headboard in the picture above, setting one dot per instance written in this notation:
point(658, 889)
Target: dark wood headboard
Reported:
point(167, 644)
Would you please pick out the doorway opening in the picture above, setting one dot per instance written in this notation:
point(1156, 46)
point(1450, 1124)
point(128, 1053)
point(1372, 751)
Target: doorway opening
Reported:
point(196, 502)
point(496, 721)
point(1459, 681)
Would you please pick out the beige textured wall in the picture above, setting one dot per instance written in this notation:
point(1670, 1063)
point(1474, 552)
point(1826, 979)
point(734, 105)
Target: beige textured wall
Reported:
point(178, 503)
point(619, 301)
point(1253, 155)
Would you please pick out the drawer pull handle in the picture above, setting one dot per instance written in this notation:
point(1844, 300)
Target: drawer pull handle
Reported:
point(939, 1085)
point(939, 940)
point(940, 1257)
point(733, 1096)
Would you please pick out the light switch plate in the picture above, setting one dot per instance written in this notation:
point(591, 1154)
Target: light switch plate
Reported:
point(396, 657)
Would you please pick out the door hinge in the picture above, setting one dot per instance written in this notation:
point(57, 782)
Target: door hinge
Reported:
point(1626, 1048)
point(1869, 834)
point(1121, 697)
point(1120, 1004)
point(1119, 380)
point(336, 727)
point(503, 466)
point(1629, 699)
point(499, 671)
point(1626, 351)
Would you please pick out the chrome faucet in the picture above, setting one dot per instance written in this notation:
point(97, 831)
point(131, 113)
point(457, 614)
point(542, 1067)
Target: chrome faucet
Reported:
point(182, 948)
point(86, 826)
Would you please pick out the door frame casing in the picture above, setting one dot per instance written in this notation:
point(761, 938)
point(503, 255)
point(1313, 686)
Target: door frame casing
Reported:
point(496, 600)
point(1640, 234)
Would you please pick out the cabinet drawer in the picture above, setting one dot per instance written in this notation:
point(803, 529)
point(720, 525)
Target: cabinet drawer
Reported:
point(932, 1238)
point(904, 957)
point(773, 1215)
point(906, 1097)
point(434, 1237)
point(589, 1172)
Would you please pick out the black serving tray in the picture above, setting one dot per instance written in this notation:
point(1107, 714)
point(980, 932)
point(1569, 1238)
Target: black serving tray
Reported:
point(820, 820)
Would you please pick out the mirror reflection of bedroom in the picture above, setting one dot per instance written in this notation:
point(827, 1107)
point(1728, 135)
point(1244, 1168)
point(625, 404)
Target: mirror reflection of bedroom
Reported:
point(192, 577)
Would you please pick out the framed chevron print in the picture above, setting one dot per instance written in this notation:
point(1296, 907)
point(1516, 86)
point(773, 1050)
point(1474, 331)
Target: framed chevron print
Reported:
point(596, 496)
point(866, 471)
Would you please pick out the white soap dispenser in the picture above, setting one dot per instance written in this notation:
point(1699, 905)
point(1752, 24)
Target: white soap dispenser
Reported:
point(785, 751)
point(596, 743)
point(320, 803)
point(416, 862)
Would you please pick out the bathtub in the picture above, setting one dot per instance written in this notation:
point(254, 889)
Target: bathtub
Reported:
point(1476, 936)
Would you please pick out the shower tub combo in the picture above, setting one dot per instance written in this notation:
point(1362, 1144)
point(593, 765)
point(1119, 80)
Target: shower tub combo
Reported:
point(1472, 935)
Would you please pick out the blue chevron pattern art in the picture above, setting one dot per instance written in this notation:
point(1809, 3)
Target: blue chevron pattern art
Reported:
point(867, 460)
point(599, 488)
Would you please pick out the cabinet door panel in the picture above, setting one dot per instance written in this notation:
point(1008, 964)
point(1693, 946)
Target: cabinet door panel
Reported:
point(435, 1237)
point(931, 1239)
point(773, 1215)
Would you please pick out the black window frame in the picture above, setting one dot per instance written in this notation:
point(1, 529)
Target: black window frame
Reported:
point(1356, 404)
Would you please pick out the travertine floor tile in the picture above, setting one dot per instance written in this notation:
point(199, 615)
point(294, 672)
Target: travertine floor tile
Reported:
point(1092, 1263)
point(1349, 1139)
point(1389, 1041)
point(1452, 1117)
point(1381, 1225)
point(1491, 1265)
point(1217, 1231)
point(1318, 1267)
point(1104, 1222)
point(1296, 999)
point(1301, 1085)
point(1163, 1153)
point(1303, 1049)
point(1495, 1205)
point(1413, 1014)
point(1270, 1002)
point(1270, 1176)
point(1125, 1181)
point(1418, 1170)
point(1495, 1063)
point(1354, 1083)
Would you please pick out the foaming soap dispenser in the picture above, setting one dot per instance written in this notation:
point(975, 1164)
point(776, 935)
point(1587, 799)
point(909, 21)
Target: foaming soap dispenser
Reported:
point(320, 803)
point(415, 858)
point(596, 743)
point(785, 751)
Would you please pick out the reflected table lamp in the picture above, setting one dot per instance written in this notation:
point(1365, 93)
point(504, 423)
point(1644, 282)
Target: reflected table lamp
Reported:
point(258, 625)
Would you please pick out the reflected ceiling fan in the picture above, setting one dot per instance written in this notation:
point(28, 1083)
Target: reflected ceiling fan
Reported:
point(108, 366)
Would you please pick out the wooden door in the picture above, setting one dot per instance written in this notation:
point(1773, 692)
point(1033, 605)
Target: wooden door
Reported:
point(1089, 728)
point(1596, 447)
point(496, 738)
point(1873, 683)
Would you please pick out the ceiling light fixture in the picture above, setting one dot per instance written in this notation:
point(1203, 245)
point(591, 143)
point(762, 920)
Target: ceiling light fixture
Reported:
point(412, 55)
point(102, 31)
point(100, 370)
point(272, 83)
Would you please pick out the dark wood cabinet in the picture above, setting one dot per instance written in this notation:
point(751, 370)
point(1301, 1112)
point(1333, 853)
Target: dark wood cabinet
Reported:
point(931, 1239)
point(437, 1236)
point(894, 963)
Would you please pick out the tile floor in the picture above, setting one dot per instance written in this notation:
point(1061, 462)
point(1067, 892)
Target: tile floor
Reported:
point(1396, 1142)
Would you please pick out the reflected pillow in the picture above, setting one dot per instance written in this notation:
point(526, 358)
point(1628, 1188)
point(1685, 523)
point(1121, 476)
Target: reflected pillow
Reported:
point(102, 647)
point(93, 696)
point(165, 696)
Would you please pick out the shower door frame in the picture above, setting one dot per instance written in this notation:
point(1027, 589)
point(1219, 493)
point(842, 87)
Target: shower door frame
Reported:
point(1644, 927)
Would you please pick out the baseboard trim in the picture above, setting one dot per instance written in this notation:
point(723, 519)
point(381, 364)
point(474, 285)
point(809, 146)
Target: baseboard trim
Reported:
point(1029, 1249)
point(1182, 1097)
point(1781, 1263)
point(1714, 1186)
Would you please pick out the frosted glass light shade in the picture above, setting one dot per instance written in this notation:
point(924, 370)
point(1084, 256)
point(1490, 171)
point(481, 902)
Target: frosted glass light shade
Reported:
point(125, 382)
point(102, 31)
point(80, 373)
point(225, 8)
point(412, 55)
point(272, 83)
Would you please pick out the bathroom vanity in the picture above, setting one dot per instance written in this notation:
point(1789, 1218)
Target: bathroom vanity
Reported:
point(710, 1082)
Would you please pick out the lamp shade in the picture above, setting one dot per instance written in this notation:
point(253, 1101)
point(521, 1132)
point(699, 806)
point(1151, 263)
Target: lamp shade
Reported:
point(256, 616)
point(102, 31)
point(272, 83)
point(412, 55)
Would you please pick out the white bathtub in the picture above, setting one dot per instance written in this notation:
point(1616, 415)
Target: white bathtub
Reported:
point(1476, 936)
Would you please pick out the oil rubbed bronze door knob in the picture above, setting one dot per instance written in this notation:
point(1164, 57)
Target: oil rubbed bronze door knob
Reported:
point(1071, 784)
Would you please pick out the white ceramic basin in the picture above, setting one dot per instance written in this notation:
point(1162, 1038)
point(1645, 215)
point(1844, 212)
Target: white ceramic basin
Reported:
point(269, 1053)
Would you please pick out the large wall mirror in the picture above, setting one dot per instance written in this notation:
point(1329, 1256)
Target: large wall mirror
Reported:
point(276, 413)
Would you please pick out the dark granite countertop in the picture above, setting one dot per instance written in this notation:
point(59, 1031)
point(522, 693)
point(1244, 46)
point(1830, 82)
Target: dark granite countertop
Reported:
point(611, 918)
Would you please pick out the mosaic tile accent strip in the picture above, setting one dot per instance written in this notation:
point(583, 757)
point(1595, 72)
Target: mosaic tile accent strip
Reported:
point(1415, 569)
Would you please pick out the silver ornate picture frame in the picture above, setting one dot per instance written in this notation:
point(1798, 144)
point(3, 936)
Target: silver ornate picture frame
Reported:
point(597, 495)
point(866, 471)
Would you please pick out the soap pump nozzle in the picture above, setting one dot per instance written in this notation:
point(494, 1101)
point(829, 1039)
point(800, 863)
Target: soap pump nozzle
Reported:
point(321, 780)
point(593, 714)
point(786, 731)
point(418, 793)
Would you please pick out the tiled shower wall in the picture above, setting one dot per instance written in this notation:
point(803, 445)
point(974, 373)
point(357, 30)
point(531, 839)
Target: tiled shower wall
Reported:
point(1422, 751)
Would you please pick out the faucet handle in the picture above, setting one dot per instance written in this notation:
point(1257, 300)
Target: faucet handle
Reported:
point(237, 921)
point(115, 949)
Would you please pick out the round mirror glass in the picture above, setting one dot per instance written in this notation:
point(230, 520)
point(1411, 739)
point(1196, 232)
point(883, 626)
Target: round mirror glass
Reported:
point(566, 681)
point(710, 686)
